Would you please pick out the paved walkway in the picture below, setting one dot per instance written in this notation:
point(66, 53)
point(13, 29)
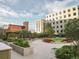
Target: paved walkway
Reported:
point(41, 51)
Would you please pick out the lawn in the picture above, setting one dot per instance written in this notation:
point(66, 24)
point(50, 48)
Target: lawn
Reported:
point(57, 39)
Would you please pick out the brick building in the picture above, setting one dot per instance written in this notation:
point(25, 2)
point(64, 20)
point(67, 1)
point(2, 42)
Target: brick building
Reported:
point(15, 28)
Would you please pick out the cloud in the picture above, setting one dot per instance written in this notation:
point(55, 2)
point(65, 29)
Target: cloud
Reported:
point(11, 2)
point(59, 5)
point(4, 22)
point(7, 11)
point(25, 14)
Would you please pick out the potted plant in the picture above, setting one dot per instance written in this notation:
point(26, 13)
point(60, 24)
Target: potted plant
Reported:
point(22, 47)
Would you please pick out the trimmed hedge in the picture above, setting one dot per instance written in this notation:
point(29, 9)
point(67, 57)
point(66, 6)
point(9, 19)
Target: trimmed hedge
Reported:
point(22, 43)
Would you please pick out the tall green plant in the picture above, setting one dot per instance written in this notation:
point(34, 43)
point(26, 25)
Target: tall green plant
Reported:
point(72, 31)
point(48, 29)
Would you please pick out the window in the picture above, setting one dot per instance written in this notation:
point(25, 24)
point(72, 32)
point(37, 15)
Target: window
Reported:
point(74, 8)
point(61, 26)
point(56, 17)
point(56, 13)
point(49, 15)
point(57, 31)
point(74, 14)
point(64, 16)
point(69, 15)
point(61, 30)
point(53, 18)
point(64, 11)
point(57, 22)
point(68, 10)
point(57, 27)
point(75, 18)
point(61, 21)
point(78, 7)
point(53, 14)
point(53, 26)
point(53, 22)
point(59, 12)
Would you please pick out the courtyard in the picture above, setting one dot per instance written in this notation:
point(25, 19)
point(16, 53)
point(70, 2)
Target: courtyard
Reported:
point(41, 50)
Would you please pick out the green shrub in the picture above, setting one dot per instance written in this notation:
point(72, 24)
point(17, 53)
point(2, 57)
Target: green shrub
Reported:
point(66, 52)
point(58, 39)
point(9, 39)
point(42, 35)
point(22, 43)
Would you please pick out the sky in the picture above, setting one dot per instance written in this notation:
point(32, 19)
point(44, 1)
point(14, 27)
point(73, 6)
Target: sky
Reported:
point(18, 11)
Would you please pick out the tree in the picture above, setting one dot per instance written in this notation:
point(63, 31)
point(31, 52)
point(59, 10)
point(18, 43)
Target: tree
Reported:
point(24, 34)
point(72, 31)
point(48, 29)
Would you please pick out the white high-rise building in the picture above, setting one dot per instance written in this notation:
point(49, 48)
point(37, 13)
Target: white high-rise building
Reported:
point(39, 26)
point(59, 19)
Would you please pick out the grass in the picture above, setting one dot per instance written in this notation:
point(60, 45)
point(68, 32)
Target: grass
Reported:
point(57, 39)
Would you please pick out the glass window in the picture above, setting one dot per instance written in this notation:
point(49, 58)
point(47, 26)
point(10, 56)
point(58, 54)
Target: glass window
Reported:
point(78, 7)
point(61, 30)
point(69, 15)
point(56, 17)
point(74, 8)
point(61, 21)
point(53, 14)
point(53, 22)
point(74, 14)
point(49, 15)
point(64, 11)
point(57, 22)
point(57, 26)
point(75, 18)
point(57, 31)
point(68, 10)
point(64, 16)
point(59, 12)
point(61, 26)
point(56, 13)
point(53, 26)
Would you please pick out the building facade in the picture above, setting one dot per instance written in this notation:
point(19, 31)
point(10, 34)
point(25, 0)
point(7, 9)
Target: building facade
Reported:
point(26, 25)
point(39, 26)
point(15, 28)
point(59, 19)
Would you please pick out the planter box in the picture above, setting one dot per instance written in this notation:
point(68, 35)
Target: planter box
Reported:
point(21, 50)
point(5, 51)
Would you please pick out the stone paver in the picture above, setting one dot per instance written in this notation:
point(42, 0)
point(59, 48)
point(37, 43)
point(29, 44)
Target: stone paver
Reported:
point(41, 51)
